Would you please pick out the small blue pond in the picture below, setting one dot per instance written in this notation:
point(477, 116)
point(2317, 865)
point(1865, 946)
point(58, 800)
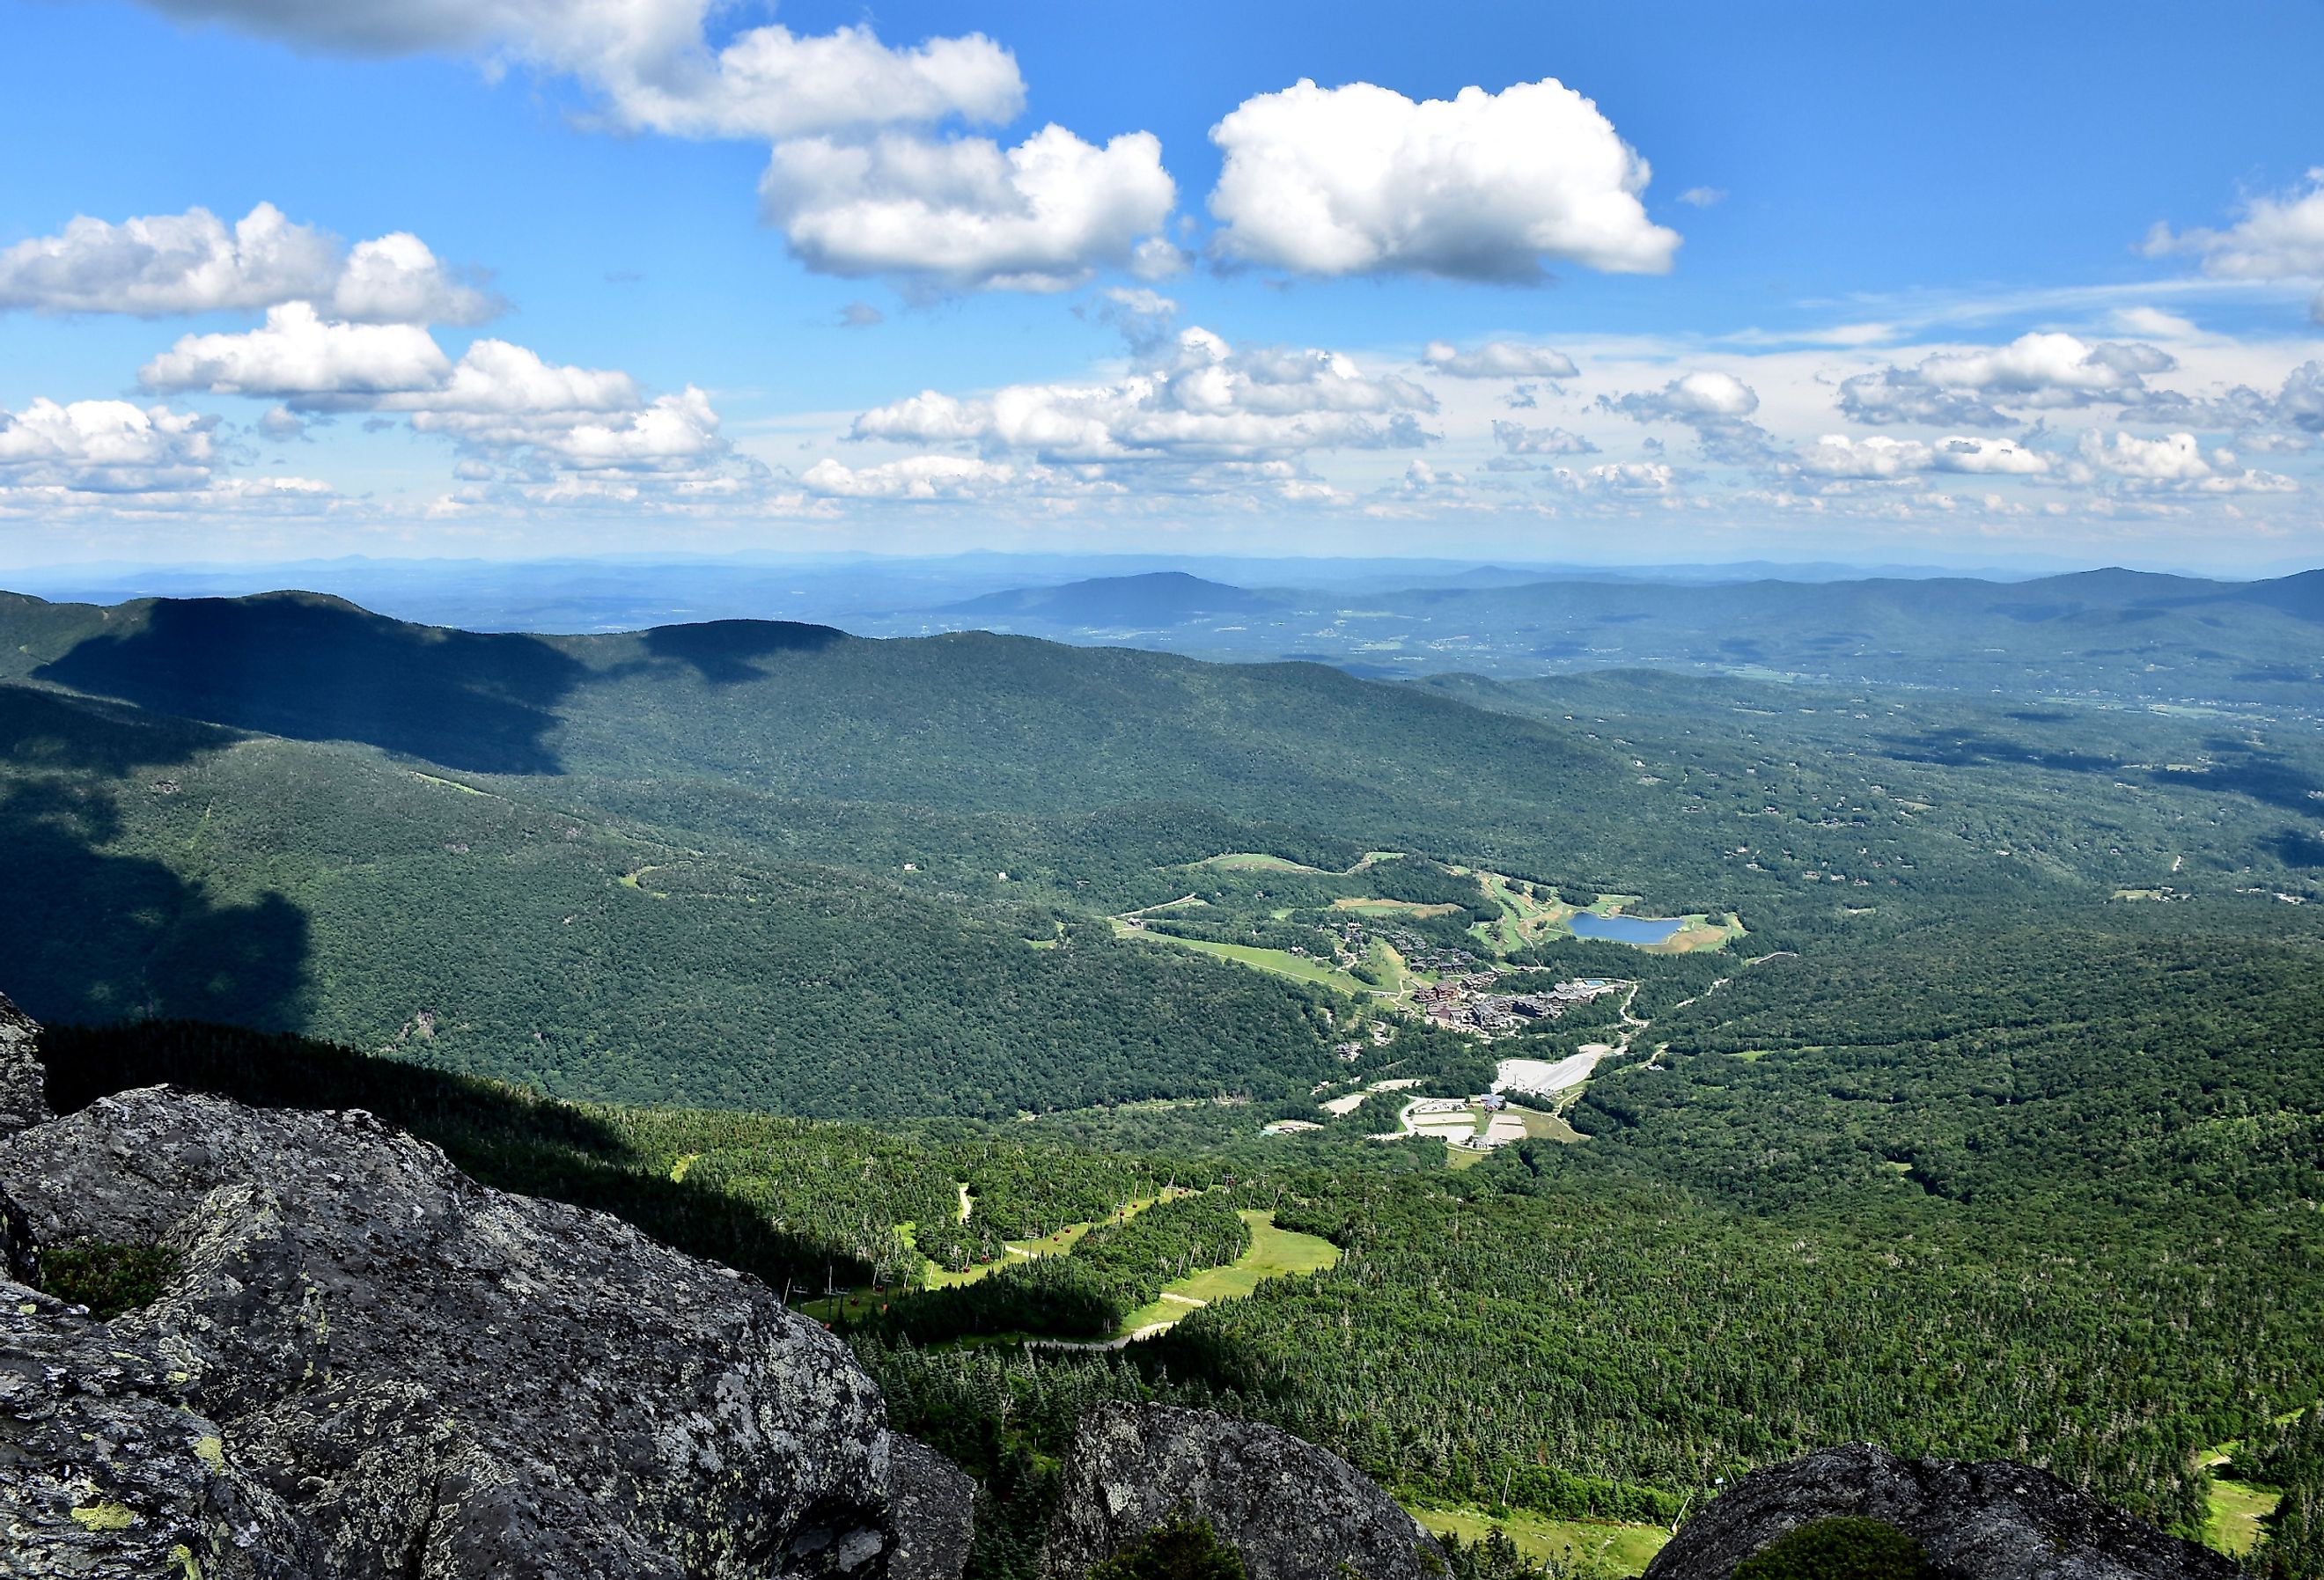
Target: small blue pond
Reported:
point(1625, 929)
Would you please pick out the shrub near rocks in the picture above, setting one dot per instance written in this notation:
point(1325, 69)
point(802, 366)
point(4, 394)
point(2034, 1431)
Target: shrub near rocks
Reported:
point(1182, 1548)
point(108, 1277)
point(1839, 1549)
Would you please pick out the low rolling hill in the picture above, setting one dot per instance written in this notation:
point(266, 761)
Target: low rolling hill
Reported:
point(1156, 598)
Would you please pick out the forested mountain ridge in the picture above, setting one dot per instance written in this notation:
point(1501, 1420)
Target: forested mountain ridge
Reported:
point(775, 864)
point(970, 721)
point(2126, 636)
point(1999, 1119)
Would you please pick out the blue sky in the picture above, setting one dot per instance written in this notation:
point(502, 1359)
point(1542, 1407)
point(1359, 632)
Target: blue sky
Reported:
point(1646, 283)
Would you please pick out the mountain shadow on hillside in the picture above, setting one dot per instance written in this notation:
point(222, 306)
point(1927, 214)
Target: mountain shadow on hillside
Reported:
point(721, 650)
point(46, 730)
point(317, 669)
point(93, 935)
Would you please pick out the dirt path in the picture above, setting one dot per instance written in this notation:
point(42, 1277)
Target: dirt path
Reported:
point(1164, 905)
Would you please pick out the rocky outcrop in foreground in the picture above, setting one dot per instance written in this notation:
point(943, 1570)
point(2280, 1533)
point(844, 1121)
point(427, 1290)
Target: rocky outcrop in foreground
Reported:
point(1292, 1510)
point(1990, 1521)
point(367, 1364)
point(932, 1504)
point(20, 1075)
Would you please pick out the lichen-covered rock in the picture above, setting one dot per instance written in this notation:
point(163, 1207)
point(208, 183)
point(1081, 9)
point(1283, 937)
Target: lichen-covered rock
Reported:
point(1996, 1521)
point(1292, 1510)
point(932, 1509)
point(104, 1472)
point(369, 1365)
point(22, 1078)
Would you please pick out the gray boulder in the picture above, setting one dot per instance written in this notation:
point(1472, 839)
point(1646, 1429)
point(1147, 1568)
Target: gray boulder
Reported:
point(932, 1506)
point(1292, 1511)
point(369, 1365)
point(22, 1078)
point(1994, 1521)
point(109, 1475)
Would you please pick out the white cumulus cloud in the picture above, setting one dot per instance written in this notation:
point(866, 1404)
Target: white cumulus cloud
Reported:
point(1198, 400)
point(671, 433)
point(1717, 405)
point(1878, 457)
point(1362, 179)
point(194, 263)
point(857, 181)
point(1979, 386)
point(104, 447)
point(1498, 359)
point(652, 62)
point(2175, 461)
point(2301, 405)
point(964, 212)
point(496, 377)
point(1516, 440)
point(2281, 236)
point(300, 356)
point(502, 405)
point(1617, 477)
point(913, 477)
point(1692, 398)
point(395, 278)
point(114, 458)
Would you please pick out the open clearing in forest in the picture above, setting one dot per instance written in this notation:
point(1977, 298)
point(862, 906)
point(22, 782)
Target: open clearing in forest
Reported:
point(1542, 1078)
point(1546, 1127)
point(2231, 1523)
point(1399, 907)
point(1699, 932)
point(856, 1302)
point(1282, 962)
point(1064, 1240)
point(1250, 861)
point(1524, 921)
point(452, 784)
point(1623, 1549)
point(2236, 1508)
point(1275, 1252)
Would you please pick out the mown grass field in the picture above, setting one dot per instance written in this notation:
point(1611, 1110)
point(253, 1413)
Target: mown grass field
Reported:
point(1280, 962)
point(2236, 1509)
point(858, 1302)
point(1626, 1549)
point(1700, 932)
point(1245, 861)
point(1549, 1127)
point(1388, 907)
point(1274, 1253)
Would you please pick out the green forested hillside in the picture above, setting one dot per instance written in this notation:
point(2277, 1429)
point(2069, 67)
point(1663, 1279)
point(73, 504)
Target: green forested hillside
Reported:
point(1995, 1130)
point(769, 864)
point(302, 888)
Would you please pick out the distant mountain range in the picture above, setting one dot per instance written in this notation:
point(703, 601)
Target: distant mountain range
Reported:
point(2115, 633)
point(1158, 598)
point(864, 593)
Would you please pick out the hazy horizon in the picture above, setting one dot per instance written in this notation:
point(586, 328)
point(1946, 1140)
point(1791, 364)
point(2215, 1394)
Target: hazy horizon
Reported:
point(1590, 286)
